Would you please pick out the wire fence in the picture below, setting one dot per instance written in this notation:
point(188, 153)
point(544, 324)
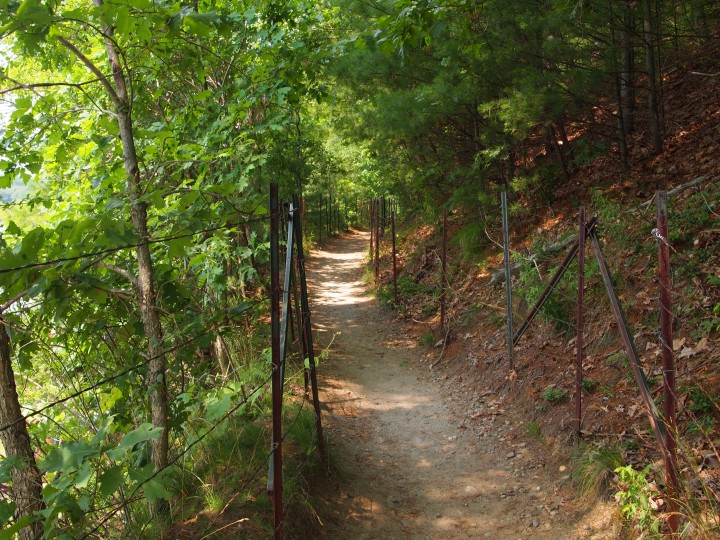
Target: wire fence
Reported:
point(217, 321)
point(120, 374)
point(555, 298)
point(148, 242)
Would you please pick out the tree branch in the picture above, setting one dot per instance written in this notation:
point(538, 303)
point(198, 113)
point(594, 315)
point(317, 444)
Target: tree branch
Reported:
point(34, 86)
point(13, 300)
point(121, 271)
point(92, 67)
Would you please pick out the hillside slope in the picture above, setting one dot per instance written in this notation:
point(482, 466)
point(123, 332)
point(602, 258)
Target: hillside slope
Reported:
point(615, 431)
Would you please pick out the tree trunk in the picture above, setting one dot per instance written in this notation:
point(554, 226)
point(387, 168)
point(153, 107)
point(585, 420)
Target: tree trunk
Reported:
point(219, 352)
point(652, 78)
point(622, 132)
point(27, 481)
point(557, 149)
point(699, 20)
point(627, 71)
point(620, 116)
point(156, 374)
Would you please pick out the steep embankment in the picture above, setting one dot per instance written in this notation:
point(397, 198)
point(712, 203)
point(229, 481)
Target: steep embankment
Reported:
point(539, 394)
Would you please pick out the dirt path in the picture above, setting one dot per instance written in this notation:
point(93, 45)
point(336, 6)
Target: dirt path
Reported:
point(415, 460)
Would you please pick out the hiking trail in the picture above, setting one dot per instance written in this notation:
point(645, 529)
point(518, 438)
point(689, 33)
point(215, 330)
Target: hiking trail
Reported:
point(415, 458)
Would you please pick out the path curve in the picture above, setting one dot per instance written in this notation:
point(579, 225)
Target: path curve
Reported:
point(409, 464)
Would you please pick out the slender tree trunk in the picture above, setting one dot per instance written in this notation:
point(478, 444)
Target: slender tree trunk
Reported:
point(27, 481)
point(699, 20)
point(652, 78)
point(622, 132)
point(627, 71)
point(219, 352)
point(156, 374)
point(620, 116)
point(559, 153)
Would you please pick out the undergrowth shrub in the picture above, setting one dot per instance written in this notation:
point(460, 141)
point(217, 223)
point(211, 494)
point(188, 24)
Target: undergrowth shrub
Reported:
point(472, 238)
point(638, 499)
point(553, 394)
point(594, 467)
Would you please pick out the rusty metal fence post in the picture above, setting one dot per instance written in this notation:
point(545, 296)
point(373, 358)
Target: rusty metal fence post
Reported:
point(372, 229)
point(550, 287)
point(580, 321)
point(666, 321)
point(277, 494)
point(394, 260)
point(307, 331)
point(508, 283)
point(285, 320)
point(443, 272)
point(656, 422)
point(377, 241)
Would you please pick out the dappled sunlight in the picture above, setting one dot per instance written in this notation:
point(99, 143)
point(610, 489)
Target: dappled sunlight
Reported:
point(400, 401)
point(335, 293)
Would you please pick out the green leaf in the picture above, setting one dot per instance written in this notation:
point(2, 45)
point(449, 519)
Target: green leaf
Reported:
point(114, 203)
point(32, 242)
point(7, 509)
point(243, 252)
point(123, 22)
point(178, 247)
point(111, 480)
point(154, 490)
point(143, 433)
point(307, 362)
point(68, 457)
point(108, 399)
point(83, 476)
point(9, 533)
point(153, 486)
point(7, 465)
point(216, 406)
point(200, 24)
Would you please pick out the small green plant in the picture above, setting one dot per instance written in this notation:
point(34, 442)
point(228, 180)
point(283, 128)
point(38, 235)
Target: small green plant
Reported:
point(427, 339)
point(384, 294)
point(408, 287)
point(213, 500)
point(533, 430)
point(630, 444)
point(637, 497)
point(588, 385)
point(553, 394)
point(701, 425)
point(613, 226)
point(619, 359)
point(700, 402)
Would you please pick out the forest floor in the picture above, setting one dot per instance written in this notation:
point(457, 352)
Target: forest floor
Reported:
point(415, 454)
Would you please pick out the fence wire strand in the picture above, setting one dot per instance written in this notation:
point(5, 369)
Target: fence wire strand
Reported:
point(149, 241)
point(123, 372)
